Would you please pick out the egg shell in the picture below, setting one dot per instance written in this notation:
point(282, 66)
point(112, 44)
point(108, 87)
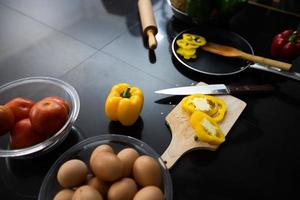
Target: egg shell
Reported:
point(146, 171)
point(101, 148)
point(128, 156)
point(72, 173)
point(149, 193)
point(107, 166)
point(124, 189)
point(64, 194)
point(99, 185)
point(86, 192)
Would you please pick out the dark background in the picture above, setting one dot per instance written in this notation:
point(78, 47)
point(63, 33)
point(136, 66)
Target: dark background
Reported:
point(97, 43)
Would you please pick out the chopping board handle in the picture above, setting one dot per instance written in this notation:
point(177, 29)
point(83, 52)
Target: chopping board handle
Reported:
point(172, 154)
point(267, 61)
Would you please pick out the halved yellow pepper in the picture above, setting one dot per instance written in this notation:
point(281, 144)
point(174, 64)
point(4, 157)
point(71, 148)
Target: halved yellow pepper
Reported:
point(206, 129)
point(213, 106)
point(124, 103)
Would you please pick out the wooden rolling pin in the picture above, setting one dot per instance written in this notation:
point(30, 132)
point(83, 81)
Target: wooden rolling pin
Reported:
point(148, 22)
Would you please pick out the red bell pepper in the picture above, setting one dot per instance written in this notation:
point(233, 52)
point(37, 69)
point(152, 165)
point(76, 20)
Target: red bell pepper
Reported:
point(286, 45)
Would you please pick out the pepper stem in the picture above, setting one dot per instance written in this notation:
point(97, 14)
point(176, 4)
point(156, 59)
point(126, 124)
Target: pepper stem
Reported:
point(126, 93)
point(293, 37)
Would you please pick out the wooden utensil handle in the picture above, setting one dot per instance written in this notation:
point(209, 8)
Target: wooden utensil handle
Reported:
point(249, 89)
point(266, 61)
point(151, 39)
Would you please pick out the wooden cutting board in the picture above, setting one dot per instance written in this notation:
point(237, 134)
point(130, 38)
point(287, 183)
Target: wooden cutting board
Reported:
point(183, 134)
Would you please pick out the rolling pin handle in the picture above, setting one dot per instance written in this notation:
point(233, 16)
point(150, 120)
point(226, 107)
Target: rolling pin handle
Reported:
point(151, 39)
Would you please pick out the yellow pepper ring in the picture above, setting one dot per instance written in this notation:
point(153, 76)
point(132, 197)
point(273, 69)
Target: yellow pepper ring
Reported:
point(194, 39)
point(186, 53)
point(206, 129)
point(186, 45)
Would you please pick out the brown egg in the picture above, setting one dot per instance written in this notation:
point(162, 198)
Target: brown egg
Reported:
point(86, 193)
point(101, 148)
point(65, 194)
point(128, 156)
point(72, 173)
point(124, 189)
point(99, 185)
point(149, 193)
point(107, 166)
point(146, 171)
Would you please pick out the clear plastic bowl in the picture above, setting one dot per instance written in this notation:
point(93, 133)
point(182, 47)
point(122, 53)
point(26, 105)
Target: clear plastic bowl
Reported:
point(36, 88)
point(83, 150)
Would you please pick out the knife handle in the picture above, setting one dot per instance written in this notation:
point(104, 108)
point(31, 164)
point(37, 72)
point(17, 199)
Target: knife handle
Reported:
point(247, 89)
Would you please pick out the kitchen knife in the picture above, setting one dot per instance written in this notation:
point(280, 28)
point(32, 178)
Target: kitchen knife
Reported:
point(217, 89)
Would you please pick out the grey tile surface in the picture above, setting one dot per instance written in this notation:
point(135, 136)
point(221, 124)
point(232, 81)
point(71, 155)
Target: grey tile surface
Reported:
point(28, 48)
point(158, 63)
point(94, 22)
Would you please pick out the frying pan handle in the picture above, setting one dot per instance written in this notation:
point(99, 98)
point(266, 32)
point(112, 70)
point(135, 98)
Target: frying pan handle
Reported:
point(289, 74)
point(267, 61)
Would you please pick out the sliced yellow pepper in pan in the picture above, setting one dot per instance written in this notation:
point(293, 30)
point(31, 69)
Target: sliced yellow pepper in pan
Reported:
point(186, 53)
point(189, 44)
point(185, 44)
point(207, 130)
point(194, 39)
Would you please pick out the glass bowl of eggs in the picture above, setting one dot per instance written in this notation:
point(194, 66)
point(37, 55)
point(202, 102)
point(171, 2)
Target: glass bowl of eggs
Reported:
point(108, 166)
point(36, 114)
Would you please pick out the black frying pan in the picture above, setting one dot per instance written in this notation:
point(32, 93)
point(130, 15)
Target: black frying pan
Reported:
point(213, 64)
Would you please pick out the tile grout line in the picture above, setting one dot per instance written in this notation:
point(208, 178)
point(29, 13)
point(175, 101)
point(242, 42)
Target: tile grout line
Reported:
point(47, 25)
point(131, 65)
point(77, 65)
point(96, 49)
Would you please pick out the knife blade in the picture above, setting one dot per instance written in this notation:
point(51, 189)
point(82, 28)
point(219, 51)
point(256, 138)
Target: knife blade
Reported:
point(216, 89)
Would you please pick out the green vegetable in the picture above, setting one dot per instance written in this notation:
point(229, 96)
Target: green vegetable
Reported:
point(204, 10)
point(201, 9)
point(227, 7)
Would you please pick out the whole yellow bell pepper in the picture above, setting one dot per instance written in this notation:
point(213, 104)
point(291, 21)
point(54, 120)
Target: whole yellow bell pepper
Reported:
point(212, 106)
point(124, 104)
point(207, 130)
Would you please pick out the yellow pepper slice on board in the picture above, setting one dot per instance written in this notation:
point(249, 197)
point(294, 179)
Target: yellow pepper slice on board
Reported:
point(124, 104)
point(222, 109)
point(206, 129)
point(213, 106)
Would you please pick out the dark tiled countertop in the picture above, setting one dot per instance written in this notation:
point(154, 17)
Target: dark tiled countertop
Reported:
point(95, 44)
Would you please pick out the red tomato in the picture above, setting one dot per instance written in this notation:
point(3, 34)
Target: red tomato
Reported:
point(59, 100)
point(20, 107)
point(7, 119)
point(22, 135)
point(48, 117)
